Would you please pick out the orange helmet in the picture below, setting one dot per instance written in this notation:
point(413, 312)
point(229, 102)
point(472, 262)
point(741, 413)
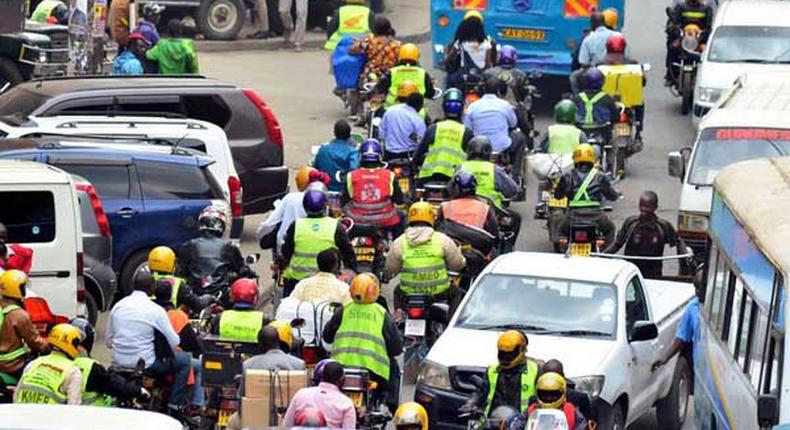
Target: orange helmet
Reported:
point(303, 177)
point(365, 288)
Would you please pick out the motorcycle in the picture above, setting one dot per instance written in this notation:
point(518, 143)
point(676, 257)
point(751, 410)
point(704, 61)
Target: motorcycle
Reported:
point(371, 411)
point(370, 244)
point(583, 237)
point(547, 419)
point(609, 155)
point(402, 169)
point(372, 108)
point(683, 73)
point(419, 331)
point(434, 193)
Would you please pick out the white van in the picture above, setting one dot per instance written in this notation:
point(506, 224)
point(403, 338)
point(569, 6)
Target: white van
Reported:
point(750, 121)
point(41, 211)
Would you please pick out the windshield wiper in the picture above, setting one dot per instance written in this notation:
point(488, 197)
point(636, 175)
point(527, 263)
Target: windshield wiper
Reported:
point(577, 332)
point(754, 61)
point(512, 326)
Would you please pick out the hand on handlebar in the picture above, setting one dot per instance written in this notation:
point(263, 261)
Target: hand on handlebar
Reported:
point(144, 395)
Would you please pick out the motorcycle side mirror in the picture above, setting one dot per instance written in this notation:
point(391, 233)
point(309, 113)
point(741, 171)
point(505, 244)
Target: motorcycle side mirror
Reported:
point(252, 258)
point(477, 381)
point(643, 331)
point(439, 313)
point(668, 11)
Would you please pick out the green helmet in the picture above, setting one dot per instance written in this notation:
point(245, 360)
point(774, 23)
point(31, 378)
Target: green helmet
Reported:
point(565, 112)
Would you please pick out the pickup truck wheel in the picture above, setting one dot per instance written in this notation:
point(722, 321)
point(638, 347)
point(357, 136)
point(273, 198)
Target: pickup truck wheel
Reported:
point(614, 420)
point(671, 410)
point(221, 19)
point(92, 308)
point(9, 73)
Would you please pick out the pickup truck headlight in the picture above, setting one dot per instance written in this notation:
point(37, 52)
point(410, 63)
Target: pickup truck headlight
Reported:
point(590, 385)
point(692, 222)
point(434, 375)
point(709, 95)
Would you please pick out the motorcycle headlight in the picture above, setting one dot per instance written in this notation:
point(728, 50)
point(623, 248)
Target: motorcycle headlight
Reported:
point(590, 385)
point(434, 375)
point(692, 222)
point(690, 43)
point(709, 95)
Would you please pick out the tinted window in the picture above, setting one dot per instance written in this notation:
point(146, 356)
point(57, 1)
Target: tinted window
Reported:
point(751, 44)
point(20, 102)
point(163, 181)
point(635, 305)
point(111, 182)
point(158, 104)
point(207, 108)
point(81, 106)
point(31, 217)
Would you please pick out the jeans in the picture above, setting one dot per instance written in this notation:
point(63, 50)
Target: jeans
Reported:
point(179, 367)
point(284, 7)
point(198, 393)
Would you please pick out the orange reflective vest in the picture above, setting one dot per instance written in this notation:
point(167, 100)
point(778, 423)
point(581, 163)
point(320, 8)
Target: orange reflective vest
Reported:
point(468, 211)
point(179, 320)
point(370, 191)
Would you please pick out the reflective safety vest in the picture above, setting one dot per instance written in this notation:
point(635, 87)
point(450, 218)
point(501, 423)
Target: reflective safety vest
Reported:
point(402, 73)
point(581, 199)
point(242, 326)
point(90, 398)
point(311, 236)
point(178, 319)
point(528, 379)
point(424, 269)
point(567, 408)
point(563, 139)
point(352, 19)
point(175, 281)
point(16, 353)
point(359, 341)
point(370, 191)
point(42, 381)
point(446, 152)
point(589, 106)
point(485, 173)
point(44, 10)
point(468, 211)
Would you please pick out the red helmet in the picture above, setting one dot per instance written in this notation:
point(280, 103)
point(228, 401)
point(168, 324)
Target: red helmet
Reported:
point(615, 44)
point(244, 290)
point(310, 416)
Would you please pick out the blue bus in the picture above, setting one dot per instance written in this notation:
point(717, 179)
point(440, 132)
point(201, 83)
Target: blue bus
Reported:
point(545, 32)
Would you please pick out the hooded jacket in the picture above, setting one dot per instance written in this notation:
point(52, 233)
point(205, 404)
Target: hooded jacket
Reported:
point(175, 56)
point(417, 235)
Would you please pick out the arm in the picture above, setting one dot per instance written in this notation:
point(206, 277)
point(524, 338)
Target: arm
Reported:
point(272, 221)
point(585, 59)
point(397, 193)
point(394, 261)
point(162, 324)
point(346, 249)
point(468, 135)
point(383, 84)
point(607, 189)
point(189, 341)
point(330, 329)
point(350, 417)
point(108, 332)
point(287, 250)
point(504, 183)
point(153, 53)
point(543, 145)
point(452, 255)
point(28, 333)
point(73, 386)
point(622, 236)
point(296, 402)
point(425, 143)
point(429, 90)
point(333, 24)
point(512, 118)
point(392, 336)
point(491, 225)
point(104, 382)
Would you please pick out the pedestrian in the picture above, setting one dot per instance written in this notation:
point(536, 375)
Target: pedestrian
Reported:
point(129, 62)
point(688, 331)
point(262, 20)
point(337, 408)
point(289, 29)
point(118, 22)
point(151, 13)
point(174, 54)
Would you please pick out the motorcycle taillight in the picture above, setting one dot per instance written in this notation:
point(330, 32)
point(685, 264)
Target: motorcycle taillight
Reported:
point(416, 313)
point(367, 241)
point(397, 171)
point(309, 355)
point(580, 236)
point(624, 116)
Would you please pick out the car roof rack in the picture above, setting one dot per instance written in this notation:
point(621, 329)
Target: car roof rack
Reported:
point(145, 76)
point(174, 144)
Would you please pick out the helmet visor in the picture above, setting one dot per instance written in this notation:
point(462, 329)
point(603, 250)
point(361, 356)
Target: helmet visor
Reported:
point(549, 396)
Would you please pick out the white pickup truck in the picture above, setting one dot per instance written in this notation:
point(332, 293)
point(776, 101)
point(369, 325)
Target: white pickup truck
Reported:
point(598, 316)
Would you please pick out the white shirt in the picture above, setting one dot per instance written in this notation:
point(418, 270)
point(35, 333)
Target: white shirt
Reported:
point(130, 330)
point(286, 211)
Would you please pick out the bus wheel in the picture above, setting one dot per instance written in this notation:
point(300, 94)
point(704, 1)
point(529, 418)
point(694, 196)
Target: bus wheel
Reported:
point(671, 410)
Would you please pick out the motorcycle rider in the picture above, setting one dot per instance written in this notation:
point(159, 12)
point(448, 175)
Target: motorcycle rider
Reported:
point(54, 378)
point(595, 108)
point(242, 322)
point(162, 263)
point(515, 79)
point(443, 148)
point(51, 12)
point(592, 49)
point(470, 53)
point(551, 388)
point(18, 335)
point(410, 416)
point(407, 69)
point(285, 211)
point(339, 155)
point(615, 55)
point(353, 18)
point(563, 137)
point(586, 187)
point(611, 18)
point(696, 12)
point(403, 125)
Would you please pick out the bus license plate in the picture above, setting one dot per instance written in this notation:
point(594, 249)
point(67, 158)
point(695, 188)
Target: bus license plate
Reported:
point(558, 203)
point(524, 34)
point(581, 249)
point(356, 397)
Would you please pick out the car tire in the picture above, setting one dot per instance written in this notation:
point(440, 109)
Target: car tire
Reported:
point(614, 419)
point(92, 308)
point(9, 73)
point(132, 265)
point(221, 19)
point(671, 411)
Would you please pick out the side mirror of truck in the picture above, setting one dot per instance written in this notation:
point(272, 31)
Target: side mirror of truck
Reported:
point(676, 165)
point(642, 331)
point(767, 411)
point(439, 313)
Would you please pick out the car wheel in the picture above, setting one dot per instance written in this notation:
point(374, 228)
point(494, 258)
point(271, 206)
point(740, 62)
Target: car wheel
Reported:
point(9, 74)
point(92, 308)
point(135, 264)
point(221, 19)
point(671, 410)
point(615, 419)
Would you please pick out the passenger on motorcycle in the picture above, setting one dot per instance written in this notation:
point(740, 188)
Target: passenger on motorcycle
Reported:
point(507, 71)
point(615, 55)
point(380, 48)
point(273, 356)
point(688, 12)
point(162, 264)
point(443, 148)
point(563, 137)
point(54, 378)
point(339, 155)
point(324, 286)
point(306, 237)
point(596, 110)
point(551, 388)
point(470, 53)
point(592, 49)
point(586, 187)
point(242, 322)
point(18, 335)
point(407, 69)
point(403, 126)
point(577, 398)
point(324, 398)
point(611, 19)
point(411, 416)
point(353, 18)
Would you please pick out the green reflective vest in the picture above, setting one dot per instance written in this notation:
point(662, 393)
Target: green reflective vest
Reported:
point(359, 341)
point(581, 199)
point(175, 281)
point(91, 398)
point(242, 326)
point(424, 269)
point(42, 381)
point(563, 139)
point(485, 173)
point(589, 106)
point(44, 10)
point(311, 236)
point(528, 379)
point(22, 350)
point(402, 73)
point(352, 19)
point(446, 152)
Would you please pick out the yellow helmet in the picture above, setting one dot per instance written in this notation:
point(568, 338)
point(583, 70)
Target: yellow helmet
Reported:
point(162, 259)
point(551, 391)
point(303, 177)
point(473, 14)
point(409, 52)
point(511, 349)
point(406, 88)
point(66, 338)
point(421, 212)
point(692, 30)
point(284, 332)
point(13, 284)
point(611, 18)
point(410, 415)
point(365, 288)
point(584, 153)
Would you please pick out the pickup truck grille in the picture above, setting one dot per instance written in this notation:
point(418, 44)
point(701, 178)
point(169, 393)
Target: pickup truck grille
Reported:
point(60, 40)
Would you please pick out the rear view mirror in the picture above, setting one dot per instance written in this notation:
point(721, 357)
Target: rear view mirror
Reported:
point(642, 331)
point(439, 313)
point(767, 411)
point(676, 164)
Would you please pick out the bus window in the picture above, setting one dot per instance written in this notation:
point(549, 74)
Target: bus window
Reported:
point(716, 301)
point(773, 368)
point(742, 335)
point(759, 338)
point(734, 291)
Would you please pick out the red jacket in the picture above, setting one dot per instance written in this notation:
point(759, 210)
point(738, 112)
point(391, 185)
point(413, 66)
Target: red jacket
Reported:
point(370, 191)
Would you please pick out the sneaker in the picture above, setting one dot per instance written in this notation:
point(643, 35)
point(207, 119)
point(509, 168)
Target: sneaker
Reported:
point(260, 34)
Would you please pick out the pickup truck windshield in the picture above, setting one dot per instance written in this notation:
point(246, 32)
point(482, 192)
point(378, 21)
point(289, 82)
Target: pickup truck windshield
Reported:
point(553, 306)
point(720, 147)
point(744, 44)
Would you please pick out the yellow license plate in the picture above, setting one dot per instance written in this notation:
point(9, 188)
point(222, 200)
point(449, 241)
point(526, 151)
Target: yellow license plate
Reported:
point(224, 418)
point(558, 203)
point(356, 397)
point(581, 249)
point(404, 184)
point(524, 34)
point(622, 129)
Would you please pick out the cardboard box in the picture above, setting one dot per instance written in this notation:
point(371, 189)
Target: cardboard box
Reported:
point(267, 391)
point(255, 413)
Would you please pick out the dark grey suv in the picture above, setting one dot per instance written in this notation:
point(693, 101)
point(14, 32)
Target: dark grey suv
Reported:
point(254, 134)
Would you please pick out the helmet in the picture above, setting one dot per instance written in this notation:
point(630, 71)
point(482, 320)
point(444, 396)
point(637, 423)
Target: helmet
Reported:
point(464, 183)
point(409, 52)
point(551, 390)
point(692, 30)
point(565, 112)
point(213, 220)
point(13, 284)
point(66, 338)
point(453, 103)
point(151, 9)
point(303, 177)
point(512, 349)
point(87, 331)
point(314, 201)
point(421, 212)
point(584, 153)
point(371, 151)
point(60, 13)
point(310, 416)
point(593, 79)
point(615, 44)
point(479, 148)
point(284, 332)
point(411, 415)
point(500, 416)
point(473, 14)
point(318, 372)
point(406, 88)
point(365, 288)
point(162, 259)
point(507, 56)
point(244, 290)
point(610, 18)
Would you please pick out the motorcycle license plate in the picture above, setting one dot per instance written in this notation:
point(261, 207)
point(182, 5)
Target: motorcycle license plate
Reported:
point(414, 327)
point(365, 254)
point(224, 418)
point(558, 203)
point(622, 129)
point(356, 397)
point(404, 185)
point(581, 249)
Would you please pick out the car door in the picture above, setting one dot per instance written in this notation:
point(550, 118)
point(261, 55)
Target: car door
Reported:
point(642, 354)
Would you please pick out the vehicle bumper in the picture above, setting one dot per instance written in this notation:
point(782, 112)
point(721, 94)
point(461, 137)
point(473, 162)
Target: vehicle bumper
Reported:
point(45, 61)
point(262, 187)
point(442, 406)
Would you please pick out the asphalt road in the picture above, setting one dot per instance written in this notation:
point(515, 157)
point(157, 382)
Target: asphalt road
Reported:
point(298, 87)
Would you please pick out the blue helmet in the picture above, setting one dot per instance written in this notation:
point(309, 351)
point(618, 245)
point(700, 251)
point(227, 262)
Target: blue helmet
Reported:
point(371, 151)
point(593, 79)
point(318, 373)
point(464, 183)
point(507, 56)
point(453, 103)
point(314, 201)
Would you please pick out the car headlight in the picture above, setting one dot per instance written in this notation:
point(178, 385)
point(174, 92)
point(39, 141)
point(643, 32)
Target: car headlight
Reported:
point(434, 375)
point(42, 56)
point(590, 385)
point(709, 95)
point(692, 222)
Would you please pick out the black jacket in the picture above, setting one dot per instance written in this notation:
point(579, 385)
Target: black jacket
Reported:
point(600, 188)
point(103, 382)
point(207, 255)
point(684, 14)
point(342, 242)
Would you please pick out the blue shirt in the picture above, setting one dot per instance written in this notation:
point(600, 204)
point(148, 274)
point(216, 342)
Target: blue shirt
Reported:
point(337, 156)
point(127, 64)
point(401, 129)
point(688, 328)
point(492, 117)
point(593, 49)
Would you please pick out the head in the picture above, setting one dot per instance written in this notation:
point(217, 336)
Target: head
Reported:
point(365, 288)
point(151, 12)
point(479, 148)
point(420, 215)
point(596, 20)
point(553, 366)
point(310, 416)
point(416, 101)
point(611, 18)
point(406, 89)
point(371, 153)
point(65, 338)
point(382, 26)
point(328, 261)
point(342, 130)
point(409, 54)
point(162, 260)
point(593, 80)
point(494, 85)
point(319, 180)
point(511, 349)
point(318, 372)
point(464, 184)
point(584, 154)
point(144, 282)
point(700, 283)
point(333, 374)
point(284, 334)
point(411, 416)
point(59, 15)
point(453, 103)
point(244, 293)
point(212, 221)
point(13, 285)
point(174, 28)
point(565, 112)
point(136, 44)
point(551, 391)
point(268, 338)
point(615, 44)
point(471, 28)
point(648, 203)
point(87, 333)
point(314, 202)
point(507, 56)
point(163, 292)
point(303, 177)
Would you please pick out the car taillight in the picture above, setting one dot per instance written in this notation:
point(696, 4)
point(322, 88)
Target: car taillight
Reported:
point(366, 241)
point(80, 265)
point(81, 295)
point(272, 125)
point(98, 209)
point(234, 186)
point(415, 313)
point(580, 236)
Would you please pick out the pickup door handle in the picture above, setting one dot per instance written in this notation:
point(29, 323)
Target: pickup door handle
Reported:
point(126, 212)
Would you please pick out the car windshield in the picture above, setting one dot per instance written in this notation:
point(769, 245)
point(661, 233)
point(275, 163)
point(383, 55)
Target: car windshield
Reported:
point(744, 44)
point(541, 305)
point(17, 103)
point(719, 147)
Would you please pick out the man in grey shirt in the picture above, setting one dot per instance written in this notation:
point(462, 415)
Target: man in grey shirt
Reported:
point(273, 358)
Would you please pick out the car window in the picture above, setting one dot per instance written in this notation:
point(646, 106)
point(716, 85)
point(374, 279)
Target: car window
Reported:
point(208, 108)
point(111, 182)
point(162, 181)
point(20, 102)
point(759, 44)
point(81, 106)
point(31, 217)
point(635, 304)
point(165, 103)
